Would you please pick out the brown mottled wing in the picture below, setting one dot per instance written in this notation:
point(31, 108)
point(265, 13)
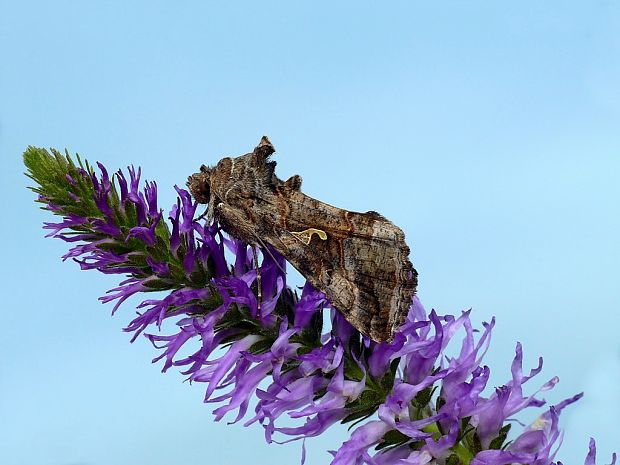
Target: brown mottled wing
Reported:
point(362, 266)
point(359, 260)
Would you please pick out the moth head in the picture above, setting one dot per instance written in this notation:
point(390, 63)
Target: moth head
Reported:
point(199, 184)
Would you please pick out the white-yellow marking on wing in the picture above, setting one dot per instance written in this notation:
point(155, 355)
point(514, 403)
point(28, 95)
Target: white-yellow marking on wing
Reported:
point(306, 235)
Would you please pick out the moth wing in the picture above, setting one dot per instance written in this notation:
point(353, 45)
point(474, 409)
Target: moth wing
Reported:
point(361, 263)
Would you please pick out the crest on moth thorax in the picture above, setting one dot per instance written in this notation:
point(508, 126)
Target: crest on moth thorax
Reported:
point(359, 260)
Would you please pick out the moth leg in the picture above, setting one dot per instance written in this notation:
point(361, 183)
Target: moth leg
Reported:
point(258, 282)
point(265, 248)
point(238, 227)
point(203, 215)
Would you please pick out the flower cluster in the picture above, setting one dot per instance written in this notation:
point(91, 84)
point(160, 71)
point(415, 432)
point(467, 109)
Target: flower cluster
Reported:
point(268, 360)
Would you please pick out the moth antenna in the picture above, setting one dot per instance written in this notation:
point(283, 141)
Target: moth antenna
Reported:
point(203, 215)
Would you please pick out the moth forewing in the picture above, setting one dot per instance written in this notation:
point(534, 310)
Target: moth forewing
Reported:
point(362, 266)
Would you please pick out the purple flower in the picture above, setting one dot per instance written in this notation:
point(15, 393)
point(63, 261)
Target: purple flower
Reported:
point(428, 404)
point(353, 450)
point(311, 302)
point(591, 457)
point(144, 233)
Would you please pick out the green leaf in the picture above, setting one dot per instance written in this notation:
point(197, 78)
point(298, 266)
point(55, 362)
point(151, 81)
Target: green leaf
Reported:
point(352, 370)
point(260, 347)
point(392, 438)
point(157, 284)
point(357, 415)
point(366, 399)
point(387, 382)
point(423, 398)
point(365, 405)
point(476, 443)
point(498, 442)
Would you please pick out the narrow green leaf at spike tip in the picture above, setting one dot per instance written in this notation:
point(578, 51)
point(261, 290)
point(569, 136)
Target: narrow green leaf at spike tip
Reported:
point(49, 171)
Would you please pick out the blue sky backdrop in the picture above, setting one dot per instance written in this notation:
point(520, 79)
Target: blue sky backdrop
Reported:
point(487, 130)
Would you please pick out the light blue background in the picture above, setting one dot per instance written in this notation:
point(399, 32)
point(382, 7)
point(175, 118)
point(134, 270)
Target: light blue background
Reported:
point(489, 131)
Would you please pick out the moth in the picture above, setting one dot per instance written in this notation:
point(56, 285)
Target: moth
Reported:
point(359, 260)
